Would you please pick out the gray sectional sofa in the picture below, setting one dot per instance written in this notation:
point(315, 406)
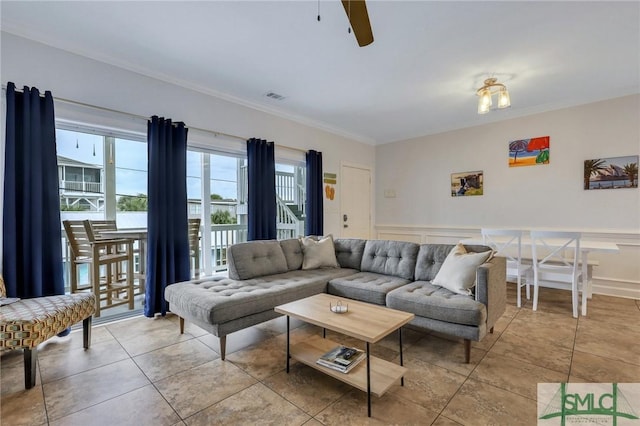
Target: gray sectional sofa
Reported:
point(265, 274)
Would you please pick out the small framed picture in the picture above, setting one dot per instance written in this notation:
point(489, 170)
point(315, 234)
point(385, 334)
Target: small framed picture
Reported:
point(467, 183)
point(611, 173)
point(529, 152)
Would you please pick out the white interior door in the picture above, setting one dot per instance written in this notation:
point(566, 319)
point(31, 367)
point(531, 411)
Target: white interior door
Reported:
point(355, 202)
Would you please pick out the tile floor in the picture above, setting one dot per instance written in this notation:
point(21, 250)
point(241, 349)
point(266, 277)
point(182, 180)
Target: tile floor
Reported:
point(142, 371)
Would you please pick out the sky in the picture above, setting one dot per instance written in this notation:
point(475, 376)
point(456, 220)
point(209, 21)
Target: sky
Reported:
point(621, 161)
point(131, 164)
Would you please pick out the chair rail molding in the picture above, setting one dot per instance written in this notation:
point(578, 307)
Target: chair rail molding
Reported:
point(614, 274)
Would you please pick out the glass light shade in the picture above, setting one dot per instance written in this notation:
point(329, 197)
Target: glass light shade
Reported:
point(504, 101)
point(484, 103)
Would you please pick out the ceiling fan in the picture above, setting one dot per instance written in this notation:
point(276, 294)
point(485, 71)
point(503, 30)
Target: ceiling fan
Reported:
point(359, 20)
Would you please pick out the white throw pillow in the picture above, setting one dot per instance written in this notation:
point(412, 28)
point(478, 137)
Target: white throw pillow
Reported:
point(318, 253)
point(458, 271)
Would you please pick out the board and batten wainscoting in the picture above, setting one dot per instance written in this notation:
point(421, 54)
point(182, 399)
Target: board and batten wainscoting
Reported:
point(614, 274)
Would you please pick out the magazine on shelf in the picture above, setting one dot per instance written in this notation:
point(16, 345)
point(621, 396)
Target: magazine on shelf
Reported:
point(341, 358)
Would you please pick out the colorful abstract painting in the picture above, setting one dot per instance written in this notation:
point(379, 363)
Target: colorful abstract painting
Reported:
point(467, 183)
point(529, 152)
point(611, 173)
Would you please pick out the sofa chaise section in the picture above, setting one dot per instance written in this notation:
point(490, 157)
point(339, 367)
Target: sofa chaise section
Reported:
point(222, 305)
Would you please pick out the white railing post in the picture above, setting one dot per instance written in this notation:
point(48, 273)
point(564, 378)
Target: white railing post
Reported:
point(206, 215)
point(287, 224)
point(222, 237)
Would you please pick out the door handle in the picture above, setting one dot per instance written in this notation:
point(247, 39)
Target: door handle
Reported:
point(345, 226)
point(345, 218)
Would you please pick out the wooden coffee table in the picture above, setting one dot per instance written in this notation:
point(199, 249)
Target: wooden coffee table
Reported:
point(367, 322)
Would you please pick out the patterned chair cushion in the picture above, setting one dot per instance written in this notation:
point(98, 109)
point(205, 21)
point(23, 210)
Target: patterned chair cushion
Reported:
point(29, 322)
point(3, 290)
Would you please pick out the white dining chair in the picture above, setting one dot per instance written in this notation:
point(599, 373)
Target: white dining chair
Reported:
point(508, 243)
point(556, 259)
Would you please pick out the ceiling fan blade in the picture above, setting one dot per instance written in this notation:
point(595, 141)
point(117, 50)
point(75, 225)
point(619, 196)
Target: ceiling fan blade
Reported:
point(359, 19)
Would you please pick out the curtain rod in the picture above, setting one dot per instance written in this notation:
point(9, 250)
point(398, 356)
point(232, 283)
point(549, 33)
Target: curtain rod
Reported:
point(142, 117)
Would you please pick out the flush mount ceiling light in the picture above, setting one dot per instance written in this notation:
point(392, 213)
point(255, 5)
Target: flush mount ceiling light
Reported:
point(490, 88)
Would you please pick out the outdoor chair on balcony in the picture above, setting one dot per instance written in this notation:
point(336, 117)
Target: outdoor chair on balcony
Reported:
point(194, 246)
point(110, 265)
point(99, 226)
point(103, 230)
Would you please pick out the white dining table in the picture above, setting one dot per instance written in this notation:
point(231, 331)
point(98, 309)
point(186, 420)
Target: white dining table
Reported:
point(139, 234)
point(586, 246)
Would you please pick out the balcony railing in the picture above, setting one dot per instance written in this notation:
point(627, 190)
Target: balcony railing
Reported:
point(290, 187)
point(69, 185)
point(223, 236)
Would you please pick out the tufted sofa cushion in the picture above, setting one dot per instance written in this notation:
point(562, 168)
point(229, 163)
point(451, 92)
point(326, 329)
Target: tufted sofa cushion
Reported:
point(395, 258)
point(217, 300)
point(292, 250)
point(431, 301)
point(256, 259)
point(431, 257)
point(365, 286)
point(349, 252)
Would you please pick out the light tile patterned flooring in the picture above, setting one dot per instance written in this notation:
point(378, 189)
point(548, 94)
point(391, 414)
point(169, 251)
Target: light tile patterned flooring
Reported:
point(142, 371)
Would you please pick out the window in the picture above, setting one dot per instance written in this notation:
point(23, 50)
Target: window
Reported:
point(290, 200)
point(223, 221)
point(101, 177)
point(223, 177)
point(130, 167)
point(80, 165)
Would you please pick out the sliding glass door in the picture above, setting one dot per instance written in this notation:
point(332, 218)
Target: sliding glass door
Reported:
point(103, 176)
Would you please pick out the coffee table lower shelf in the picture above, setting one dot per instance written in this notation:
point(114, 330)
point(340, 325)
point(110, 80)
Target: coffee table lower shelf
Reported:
point(383, 373)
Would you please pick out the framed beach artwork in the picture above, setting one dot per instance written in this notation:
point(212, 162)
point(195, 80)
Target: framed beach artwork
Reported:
point(529, 152)
point(467, 183)
point(611, 173)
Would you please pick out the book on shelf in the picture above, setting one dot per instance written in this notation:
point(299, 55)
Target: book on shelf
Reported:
point(341, 358)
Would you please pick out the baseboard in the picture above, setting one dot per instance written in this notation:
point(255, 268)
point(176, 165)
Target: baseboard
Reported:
point(616, 288)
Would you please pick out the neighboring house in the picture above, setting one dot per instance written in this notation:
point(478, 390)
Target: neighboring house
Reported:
point(80, 185)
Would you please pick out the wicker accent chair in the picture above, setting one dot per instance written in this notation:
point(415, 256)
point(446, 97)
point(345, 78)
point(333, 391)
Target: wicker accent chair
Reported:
point(194, 246)
point(110, 265)
point(28, 322)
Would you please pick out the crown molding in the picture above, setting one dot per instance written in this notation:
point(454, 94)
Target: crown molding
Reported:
point(128, 66)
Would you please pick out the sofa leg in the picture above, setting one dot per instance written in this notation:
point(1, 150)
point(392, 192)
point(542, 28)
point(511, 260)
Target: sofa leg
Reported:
point(86, 332)
point(223, 346)
point(467, 351)
point(181, 325)
point(30, 357)
point(491, 330)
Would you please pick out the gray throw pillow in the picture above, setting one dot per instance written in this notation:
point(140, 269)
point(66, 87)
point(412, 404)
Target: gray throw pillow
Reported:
point(318, 254)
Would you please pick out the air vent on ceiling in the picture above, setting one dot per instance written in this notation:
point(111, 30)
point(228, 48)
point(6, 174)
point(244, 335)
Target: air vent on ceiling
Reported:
point(274, 95)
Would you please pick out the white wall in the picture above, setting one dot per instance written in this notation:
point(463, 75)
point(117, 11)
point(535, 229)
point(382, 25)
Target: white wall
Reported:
point(537, 196)
point(77, 78)
point(547, 196)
